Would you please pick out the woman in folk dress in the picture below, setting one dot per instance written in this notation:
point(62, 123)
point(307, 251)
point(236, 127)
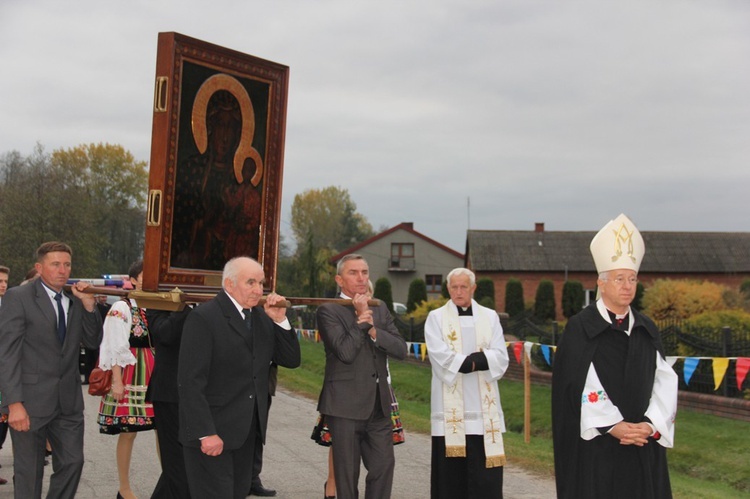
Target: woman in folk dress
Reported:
point(126, 350)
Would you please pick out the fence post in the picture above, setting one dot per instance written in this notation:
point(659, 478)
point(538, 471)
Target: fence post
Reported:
point(726, 340)
point(554, 333)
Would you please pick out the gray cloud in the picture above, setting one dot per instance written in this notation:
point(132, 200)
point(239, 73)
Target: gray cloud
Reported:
point(563, 113)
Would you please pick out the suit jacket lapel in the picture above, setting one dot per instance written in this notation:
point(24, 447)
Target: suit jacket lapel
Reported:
point(45, 304)
point(235, 319)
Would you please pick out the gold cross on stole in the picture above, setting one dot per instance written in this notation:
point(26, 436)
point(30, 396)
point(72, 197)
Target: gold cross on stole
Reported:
point(492, 430)
point(453, 420)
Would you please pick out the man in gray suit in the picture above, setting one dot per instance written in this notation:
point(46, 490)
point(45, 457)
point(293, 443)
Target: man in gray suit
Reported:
point(355, 398)
point(41, 329)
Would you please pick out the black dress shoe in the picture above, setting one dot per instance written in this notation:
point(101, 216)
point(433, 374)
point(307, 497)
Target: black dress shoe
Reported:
point(260, 491)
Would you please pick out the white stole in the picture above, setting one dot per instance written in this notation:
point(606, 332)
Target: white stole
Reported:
point(453, 395)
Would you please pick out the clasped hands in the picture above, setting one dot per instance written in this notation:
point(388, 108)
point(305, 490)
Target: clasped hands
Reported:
point(631, 433)
point(364, 313)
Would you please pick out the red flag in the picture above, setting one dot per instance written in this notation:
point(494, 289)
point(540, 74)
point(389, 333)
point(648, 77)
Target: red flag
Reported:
point(517, 349)
point(743, 364)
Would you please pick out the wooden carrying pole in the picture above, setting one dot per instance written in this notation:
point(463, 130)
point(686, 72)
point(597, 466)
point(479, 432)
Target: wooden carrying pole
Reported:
point(176, 300)
point(526, 397)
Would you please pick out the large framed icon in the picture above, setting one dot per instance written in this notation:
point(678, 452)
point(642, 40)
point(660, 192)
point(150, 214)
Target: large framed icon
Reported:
point(217, 155)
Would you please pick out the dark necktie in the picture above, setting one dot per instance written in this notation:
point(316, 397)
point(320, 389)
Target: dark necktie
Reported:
point(248, 318)
point(60, 318)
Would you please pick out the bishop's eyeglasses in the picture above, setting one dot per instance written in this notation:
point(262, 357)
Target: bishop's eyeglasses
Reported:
point(619, 280)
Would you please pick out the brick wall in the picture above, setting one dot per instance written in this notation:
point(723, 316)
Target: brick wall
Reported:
point(530, 281)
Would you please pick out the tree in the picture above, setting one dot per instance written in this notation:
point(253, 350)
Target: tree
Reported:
point(324, 222)
point(638, 300)
point(328, 218)
point(383, 291)
point(485, 289)
point(514, 304)
point(544, 302)
point(91, 197)
point(417, 294)
point(444, 290)
point(671, 299)
point(573, 297)
point(117, 186)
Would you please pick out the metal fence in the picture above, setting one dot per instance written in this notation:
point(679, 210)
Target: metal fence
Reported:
point(679, 340)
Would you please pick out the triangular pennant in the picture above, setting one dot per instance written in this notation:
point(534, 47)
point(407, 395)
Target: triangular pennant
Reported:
point(415, 346)
point(517, 348)
point(671, 361)
point(720, 365)
point(743, 364)
point(545, 352)
point(317, 337)
point(527, 347)
point(689, 368)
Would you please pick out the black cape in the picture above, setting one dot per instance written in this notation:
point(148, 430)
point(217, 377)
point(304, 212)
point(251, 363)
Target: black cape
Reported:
point(601, 467)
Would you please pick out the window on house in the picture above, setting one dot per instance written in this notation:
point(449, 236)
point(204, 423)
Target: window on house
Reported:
point(589, 298)
point(434, 283)
point(402, 256)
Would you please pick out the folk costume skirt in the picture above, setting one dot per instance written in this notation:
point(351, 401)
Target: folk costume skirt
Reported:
point(321, 434)
point(132, 412)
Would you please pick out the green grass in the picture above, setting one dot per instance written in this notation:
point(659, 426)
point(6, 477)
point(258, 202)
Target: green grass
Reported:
point(711, 457)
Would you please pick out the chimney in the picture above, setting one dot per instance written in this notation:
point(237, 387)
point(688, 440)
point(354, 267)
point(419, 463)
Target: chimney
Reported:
point(408, 225)
point(539, 227)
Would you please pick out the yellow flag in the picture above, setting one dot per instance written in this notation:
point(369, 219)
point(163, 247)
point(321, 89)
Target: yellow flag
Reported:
point(720, 369)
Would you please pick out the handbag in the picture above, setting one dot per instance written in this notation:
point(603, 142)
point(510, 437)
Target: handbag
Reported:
point(100, 382)
point(398, 429)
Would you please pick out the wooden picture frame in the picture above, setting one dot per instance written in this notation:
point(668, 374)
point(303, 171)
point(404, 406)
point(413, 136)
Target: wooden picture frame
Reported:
point(217, 155)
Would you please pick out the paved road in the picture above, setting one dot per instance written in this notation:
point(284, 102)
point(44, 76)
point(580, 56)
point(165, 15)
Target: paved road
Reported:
point(294, 465)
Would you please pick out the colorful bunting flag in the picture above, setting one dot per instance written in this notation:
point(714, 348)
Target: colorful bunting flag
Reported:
point(689, 368)
point(720, 369)
point(545, 352)
point(517, 348)
point(527, 347)
point(743, 364)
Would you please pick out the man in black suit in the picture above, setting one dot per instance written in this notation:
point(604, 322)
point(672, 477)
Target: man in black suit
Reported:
point(166, 330)
point(355, 398)
point(228, 344)
point(41, 330)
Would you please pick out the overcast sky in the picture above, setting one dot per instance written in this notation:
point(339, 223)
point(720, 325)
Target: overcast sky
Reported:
point(566, 113)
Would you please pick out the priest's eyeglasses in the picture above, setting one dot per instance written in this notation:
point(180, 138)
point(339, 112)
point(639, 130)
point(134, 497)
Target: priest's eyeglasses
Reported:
point(619, 281)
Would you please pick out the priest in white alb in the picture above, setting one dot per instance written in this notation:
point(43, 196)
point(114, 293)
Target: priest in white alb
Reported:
point(468, 356)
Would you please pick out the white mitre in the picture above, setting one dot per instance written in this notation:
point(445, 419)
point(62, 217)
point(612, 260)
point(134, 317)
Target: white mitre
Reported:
point(618, 245)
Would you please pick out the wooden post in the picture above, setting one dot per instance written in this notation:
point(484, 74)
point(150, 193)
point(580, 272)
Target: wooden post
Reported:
point(526, 397)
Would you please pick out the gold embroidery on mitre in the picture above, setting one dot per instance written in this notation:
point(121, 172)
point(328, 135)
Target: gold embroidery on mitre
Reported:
point(621, 239)
point(455, 451)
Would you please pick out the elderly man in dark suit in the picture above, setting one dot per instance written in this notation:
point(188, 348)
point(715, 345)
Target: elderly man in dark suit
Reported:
point(228, 345)
point(41, 330)
point(355, 398)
